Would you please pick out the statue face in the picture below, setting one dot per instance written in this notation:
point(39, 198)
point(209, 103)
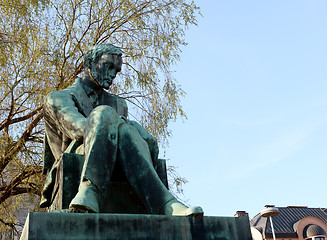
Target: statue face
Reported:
point(105, 70)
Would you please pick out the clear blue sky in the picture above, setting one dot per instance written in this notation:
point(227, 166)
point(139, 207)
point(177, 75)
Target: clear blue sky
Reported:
point(255, 75)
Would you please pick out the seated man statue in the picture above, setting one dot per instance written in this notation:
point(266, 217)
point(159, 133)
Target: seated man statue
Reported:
point(85, 119)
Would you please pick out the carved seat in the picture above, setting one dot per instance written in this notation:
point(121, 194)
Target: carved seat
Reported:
point(121, 198)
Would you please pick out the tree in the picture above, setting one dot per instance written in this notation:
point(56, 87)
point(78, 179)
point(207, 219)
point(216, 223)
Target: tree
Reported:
point(42, 43)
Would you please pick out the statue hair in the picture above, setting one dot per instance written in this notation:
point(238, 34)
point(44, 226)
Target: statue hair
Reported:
point(96, 51)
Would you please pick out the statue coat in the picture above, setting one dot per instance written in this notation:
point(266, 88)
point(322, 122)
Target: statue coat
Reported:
point(65, 114)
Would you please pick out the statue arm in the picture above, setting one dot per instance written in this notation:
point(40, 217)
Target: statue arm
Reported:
point(60, 110)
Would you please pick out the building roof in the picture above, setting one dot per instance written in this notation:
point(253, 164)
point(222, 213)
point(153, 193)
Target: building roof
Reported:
point(284, 222)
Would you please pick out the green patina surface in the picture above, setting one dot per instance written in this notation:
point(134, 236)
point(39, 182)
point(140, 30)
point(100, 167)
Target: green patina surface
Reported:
point(53, 226)
point(90, 123)
point(121, 197)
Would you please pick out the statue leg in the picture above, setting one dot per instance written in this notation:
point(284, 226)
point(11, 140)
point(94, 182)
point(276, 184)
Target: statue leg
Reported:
point(136, 161)
point(100, 154)
point(151, 141)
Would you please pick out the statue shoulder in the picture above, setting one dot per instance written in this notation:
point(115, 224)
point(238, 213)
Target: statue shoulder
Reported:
point(122, 107)
point(121, 101)
point(55, 97)
point(61, 96)
point(118, 103)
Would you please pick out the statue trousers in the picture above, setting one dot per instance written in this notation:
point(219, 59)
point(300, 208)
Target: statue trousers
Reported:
point(109, 138)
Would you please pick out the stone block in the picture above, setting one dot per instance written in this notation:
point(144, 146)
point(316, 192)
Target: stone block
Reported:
point(87, 226)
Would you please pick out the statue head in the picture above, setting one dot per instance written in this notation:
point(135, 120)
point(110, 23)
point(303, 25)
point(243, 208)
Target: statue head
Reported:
point(102, 62)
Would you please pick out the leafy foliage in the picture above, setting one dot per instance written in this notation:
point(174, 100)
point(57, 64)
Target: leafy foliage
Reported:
point(42, 43)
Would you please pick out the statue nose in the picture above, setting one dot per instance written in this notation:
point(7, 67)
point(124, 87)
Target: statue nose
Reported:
point(112, 74)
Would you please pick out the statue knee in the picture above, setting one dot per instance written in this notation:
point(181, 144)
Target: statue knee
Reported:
point(103, 115)
point(128, 133)
point(125, 130)
point(104, 110)
point(152, 141)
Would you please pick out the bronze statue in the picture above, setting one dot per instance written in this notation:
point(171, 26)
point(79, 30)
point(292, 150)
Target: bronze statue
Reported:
point(85, 119)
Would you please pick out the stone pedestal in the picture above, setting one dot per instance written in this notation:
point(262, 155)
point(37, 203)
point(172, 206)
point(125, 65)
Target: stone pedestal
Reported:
point(87, 226)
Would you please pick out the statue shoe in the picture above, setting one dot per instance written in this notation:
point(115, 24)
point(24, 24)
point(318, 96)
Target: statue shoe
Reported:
point(176, 208)
point(86, 200)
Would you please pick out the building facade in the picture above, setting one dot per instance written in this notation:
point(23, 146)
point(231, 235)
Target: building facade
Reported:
point(292, 222)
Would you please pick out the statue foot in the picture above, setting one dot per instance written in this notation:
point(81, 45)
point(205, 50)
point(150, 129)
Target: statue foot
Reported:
point(44, 202)
point(86, 200)
point(176, 208)
point(79, 209)
point(194, 211)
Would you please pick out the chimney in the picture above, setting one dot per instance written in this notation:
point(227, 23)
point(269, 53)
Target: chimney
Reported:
point(241, 214)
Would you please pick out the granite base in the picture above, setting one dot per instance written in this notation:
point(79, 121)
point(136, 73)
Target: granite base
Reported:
point(82, 226)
